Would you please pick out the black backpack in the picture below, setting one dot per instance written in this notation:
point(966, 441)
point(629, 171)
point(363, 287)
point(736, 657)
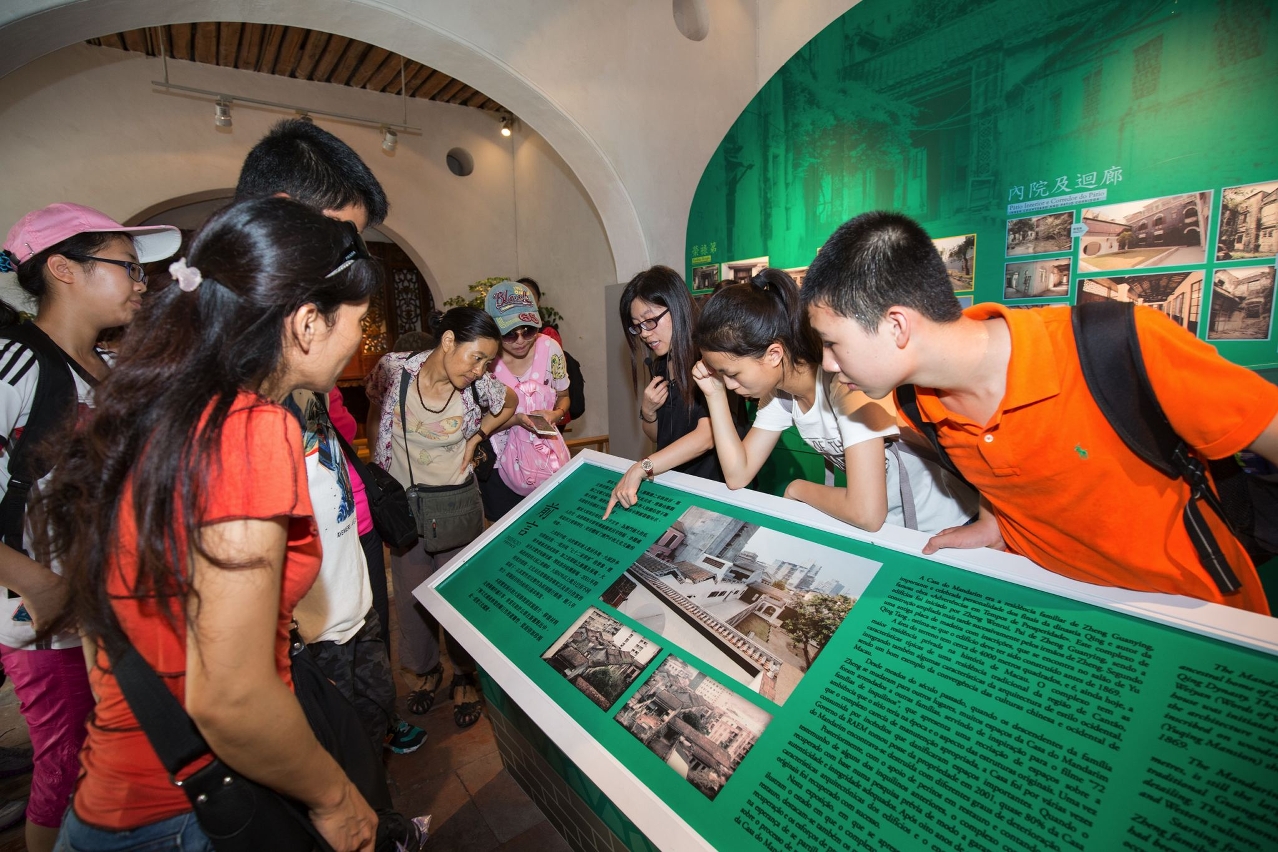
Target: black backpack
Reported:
point(1114, 369)
point(576, 388)
point(53, 406)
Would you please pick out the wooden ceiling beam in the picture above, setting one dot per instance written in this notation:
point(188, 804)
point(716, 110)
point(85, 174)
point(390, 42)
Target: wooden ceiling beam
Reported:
point(250, 47)
point(414, 74)
point(389, 71)
point(135, 40)
point(289, 51)
point(461, 95)
point(350, 60)
point(328, 59)
point(433, 85)
point(271, 38)
point(180, 41)
point(313, 47)
point(448, 91)
point(372, 61)
point(206, 43)
point(228, 43)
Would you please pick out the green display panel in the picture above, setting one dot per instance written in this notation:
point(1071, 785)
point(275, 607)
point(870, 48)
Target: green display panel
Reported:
point(1058, 153)
point(785, 688)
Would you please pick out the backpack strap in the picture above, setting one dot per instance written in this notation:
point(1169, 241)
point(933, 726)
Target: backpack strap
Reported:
point(405, 378)
point(1114, 369)
point(907, 400)
point(53, 405)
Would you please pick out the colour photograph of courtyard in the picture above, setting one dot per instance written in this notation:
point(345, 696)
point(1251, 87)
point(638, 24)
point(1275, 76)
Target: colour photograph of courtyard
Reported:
point(756, 604)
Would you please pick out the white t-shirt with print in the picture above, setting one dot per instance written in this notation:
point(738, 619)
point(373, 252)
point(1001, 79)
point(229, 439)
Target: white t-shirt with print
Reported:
point(335, 607)
point(19, 373)
point(839, 419)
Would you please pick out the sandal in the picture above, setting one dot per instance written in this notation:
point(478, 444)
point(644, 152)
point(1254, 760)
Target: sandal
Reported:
point(420, 700)
point(466, 713)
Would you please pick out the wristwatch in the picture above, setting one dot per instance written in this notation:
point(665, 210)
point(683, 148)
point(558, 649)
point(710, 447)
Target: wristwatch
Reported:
point(646, 466)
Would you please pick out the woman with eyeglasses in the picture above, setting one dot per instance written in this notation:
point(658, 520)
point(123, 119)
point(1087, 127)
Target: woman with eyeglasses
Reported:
point(84, 271)
point(533, 366)
point(657, 310)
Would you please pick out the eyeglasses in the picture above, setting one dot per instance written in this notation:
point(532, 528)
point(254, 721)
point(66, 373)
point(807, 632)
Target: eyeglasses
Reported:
point(136, 272)
point(647, 325)
point(523, 331)
point(356, 249)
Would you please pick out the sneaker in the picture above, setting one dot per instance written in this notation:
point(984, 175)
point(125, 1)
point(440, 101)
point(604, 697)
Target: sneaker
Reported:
point(404, 738)
point(419, 828)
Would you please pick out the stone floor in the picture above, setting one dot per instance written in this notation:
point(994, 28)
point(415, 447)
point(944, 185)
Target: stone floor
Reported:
point(456, 777)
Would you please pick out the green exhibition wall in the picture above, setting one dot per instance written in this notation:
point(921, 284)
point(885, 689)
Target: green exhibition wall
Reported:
point(1154, 124)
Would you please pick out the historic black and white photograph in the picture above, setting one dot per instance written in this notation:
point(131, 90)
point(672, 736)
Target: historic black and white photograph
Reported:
point(1036, 279)
point(1167, 231)
point(1177, 294)
point(1040, 234)
point(699, 727)
point(1248, 221)
point(742, 270)
point(1242, 303)
point(959, 255)
point(600, 656)
point(757, 604)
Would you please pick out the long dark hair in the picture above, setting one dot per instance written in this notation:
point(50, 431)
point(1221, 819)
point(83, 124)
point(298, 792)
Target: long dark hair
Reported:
point(662, 286)
point(746, 318)
point(159, 415)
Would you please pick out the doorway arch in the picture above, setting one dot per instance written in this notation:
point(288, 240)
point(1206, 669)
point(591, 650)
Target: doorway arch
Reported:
point(32, 28)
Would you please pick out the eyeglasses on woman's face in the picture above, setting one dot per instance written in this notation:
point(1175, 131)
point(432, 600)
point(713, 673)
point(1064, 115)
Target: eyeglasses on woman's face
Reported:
point(135, 270)
point(647, 325)
point(524, 331)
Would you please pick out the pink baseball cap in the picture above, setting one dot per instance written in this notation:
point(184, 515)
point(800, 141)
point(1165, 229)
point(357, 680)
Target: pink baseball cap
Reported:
point(48, 226)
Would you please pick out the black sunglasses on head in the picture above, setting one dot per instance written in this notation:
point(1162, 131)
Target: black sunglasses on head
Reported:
point(356, 249)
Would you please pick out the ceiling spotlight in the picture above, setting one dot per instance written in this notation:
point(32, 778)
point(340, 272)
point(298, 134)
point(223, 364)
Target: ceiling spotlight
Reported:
point(390, 139)
point(506, 122)
point(222, 114)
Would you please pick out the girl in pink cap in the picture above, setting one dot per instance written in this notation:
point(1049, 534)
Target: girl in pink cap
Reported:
point(84, 272)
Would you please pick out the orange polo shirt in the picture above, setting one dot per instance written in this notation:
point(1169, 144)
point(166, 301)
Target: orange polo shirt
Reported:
point(1066, 490)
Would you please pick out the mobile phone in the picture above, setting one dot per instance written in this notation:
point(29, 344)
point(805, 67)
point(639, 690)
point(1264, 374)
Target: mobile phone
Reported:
point(542, 426)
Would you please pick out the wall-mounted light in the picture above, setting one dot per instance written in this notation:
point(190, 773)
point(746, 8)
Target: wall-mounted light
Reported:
point(506, 122)
point(390, 139)
point(222, 113)
point(306, 116)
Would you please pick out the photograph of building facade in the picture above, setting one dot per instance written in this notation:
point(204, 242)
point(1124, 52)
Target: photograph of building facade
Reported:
point(1242, 303)
point(959, 255)
point(600, 656)
point(1040, 234)
point(705, 277)
point(1179, 295)
point(1168, 231)
point(743, 270)
point(1248, 221)
point(698, 727)
point(1036, 279)
point(798, 273)
point(756, 604)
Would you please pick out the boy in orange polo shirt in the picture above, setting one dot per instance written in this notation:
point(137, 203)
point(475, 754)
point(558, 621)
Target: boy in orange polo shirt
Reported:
point(1014, 414)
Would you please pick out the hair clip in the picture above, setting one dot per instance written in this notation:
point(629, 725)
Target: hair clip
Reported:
point(8, 262)
point(187, 277)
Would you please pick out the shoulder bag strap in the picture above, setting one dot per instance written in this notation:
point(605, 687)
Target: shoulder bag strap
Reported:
point(404, 378)
point(167, 725)
point(349, 453)
point(908, 402)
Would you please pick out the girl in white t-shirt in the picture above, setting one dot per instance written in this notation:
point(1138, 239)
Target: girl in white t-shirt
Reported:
point(755, 340)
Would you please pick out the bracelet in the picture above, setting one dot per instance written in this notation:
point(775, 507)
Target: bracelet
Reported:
point(645, 419)
point(483, 436)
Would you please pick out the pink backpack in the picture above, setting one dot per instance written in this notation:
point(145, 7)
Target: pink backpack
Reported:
point(526, 459)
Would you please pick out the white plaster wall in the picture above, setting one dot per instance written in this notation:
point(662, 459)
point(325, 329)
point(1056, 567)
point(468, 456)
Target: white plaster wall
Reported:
point(85, 124)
